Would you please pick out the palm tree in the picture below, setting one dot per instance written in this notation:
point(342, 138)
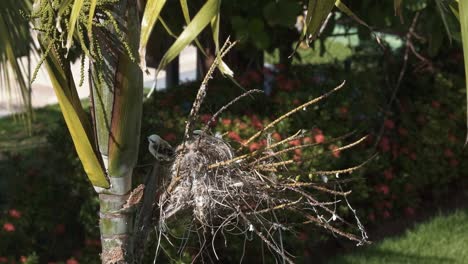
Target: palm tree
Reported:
point(114, 38)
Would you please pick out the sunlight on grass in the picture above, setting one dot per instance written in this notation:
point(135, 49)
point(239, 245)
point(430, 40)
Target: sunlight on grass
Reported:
point(444, 239)
point(333, 51)
point(14, 134)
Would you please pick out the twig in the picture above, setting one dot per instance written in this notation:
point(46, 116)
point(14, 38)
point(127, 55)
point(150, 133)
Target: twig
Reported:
point(281, 118)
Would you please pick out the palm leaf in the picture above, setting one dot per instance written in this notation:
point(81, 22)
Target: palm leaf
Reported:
point(75, 117)
point(16, 42)
point(75, 13)
point(463, 15)
point(199, 22)
point(150, 17)
point(317, 12)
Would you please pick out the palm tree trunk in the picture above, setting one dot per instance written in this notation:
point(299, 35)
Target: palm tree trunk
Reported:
point(117, 94)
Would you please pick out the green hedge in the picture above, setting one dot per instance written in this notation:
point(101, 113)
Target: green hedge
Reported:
point(418, 140)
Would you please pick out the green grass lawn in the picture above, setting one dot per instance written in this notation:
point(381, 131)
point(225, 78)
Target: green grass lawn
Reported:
point(16, 134)
point(444, 239)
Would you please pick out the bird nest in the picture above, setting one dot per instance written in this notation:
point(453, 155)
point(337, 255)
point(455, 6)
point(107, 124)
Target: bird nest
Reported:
point(222, 190)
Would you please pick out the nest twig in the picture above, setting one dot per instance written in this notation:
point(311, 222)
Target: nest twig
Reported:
point(221, 191)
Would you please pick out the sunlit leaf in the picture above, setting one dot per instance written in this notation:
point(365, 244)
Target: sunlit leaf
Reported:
point(350, 13)
point(199, 22)
point(75, 13)
point(317, 12)
point(150, 17)
point(397, 7)
point(75, 118)
point(92, 9)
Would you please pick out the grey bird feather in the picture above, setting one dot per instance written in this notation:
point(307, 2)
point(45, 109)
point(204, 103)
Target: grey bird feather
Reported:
point(159, 148)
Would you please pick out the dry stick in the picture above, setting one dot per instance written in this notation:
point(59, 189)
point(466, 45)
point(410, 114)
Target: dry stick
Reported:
point(280, 206)
point(310, 184)
point(257, 152)
point(213, 118)
point(274, 154)
point(323, 189)
point(339, 149)
point(264, 239)
point(275, 164)
point(408, 44)
point(322, 205)
point(317, 187)
point(281, 118)
point(313, 219)
point(202, 90)
point(347, 170)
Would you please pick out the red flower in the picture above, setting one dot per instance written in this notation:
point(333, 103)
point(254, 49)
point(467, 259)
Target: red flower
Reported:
point(302, 236)
point(402, 131)
point(319, 138)
point(9, 227)
point(286, 85)
point(421, 119)
point(254, 146)
point(205, 118)
point(454, 162)
point(234, 136)
point(242, 125)
point(452, 138)
point(371, 217)
point(388, 123)
point(280, 67)
point(295, 142)
point(297, 158)
point(384, 144)
point(170, 137)
point(435, 104)
point(404, 151)
point(448, 153)
point(388, 204)
point(307, 140)
point(395, 151)
point(23, 259)
point(409, 211)
point(276, 136)
point(382, 189)
point(14, 213)
point(72, 261)
point(226, 121)
point(408, 187)
point(335, 151)
point(388, 174)
point(255, 76)
point(343, 110)
point(256, 122)
point(93, 242)
point(298, 152)
point(385, 214)
point(59, 229)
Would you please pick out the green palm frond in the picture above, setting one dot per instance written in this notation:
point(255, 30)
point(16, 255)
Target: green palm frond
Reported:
point(15, 43)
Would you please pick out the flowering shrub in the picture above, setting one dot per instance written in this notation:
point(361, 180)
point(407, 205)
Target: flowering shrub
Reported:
point(51, 213)
point(418, 142)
